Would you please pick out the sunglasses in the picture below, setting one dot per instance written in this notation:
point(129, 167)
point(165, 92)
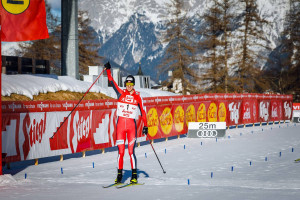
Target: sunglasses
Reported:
point(127, 84)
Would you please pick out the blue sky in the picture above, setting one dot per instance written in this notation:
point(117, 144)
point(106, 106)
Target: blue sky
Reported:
point(55, 6)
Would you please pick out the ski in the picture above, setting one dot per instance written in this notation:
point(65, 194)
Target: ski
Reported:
point(111, 185)
point(129, 184)
point(297, 160)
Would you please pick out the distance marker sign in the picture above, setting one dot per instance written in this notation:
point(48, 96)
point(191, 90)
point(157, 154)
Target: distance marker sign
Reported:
point(206, 129)
point(296, 116)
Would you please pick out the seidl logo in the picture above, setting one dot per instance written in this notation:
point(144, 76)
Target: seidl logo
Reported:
point(212, 112)
point(152, 122)
point(201, 113)
point(80, 131)
point(179, 118)
point(166, 121)
point(15, 6)
point(190, 114)
point(34, 128)
point(222, 112)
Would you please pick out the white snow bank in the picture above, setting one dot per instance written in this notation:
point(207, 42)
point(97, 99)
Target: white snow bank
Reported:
point(145, 92)
point(7, 179)
point(29, 85)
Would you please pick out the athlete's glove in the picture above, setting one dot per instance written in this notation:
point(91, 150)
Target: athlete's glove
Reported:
point(145, 130)
point(107, 66)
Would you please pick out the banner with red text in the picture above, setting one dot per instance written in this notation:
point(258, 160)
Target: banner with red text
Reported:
point(29, 128)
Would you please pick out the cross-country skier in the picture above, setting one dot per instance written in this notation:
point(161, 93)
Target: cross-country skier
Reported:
point(128, 107)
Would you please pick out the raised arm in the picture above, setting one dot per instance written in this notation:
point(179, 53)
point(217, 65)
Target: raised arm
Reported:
point(117, 89)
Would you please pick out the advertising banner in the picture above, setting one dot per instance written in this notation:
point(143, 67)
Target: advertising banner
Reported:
point(29, 135)
point(234, 112)
point(264, 110)
point(29, 128)
point(276, 110)
point(287, 109)
point(249, 111)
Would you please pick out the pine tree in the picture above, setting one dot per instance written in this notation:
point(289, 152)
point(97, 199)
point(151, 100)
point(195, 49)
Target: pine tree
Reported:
point(216, 44)
point(289, 75)
point(211, 43)
point(88, 46)
point(248, 74)
point(226, 8)
point(46, 49)
point(179, 51)
point(50, 49)
point(294, 35)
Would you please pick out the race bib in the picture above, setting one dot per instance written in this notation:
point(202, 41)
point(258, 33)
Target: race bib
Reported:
point(127, 110)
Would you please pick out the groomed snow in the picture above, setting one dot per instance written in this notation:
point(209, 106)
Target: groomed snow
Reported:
point(276, 178)
point(30, 85)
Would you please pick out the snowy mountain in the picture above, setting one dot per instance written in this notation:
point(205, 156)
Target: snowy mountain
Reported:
point(135, 41)
point(130, 30)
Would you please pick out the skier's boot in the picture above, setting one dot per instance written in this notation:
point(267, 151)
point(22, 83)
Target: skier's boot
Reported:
point(119, 177)
point(134, 177)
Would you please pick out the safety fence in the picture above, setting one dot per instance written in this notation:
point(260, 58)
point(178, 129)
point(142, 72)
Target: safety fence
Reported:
point(27, 127)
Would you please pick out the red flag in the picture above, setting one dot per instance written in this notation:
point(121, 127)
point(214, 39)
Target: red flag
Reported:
point(23, 20)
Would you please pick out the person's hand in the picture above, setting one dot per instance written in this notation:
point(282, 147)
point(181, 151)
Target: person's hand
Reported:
point(107, 66)
point(145, 130)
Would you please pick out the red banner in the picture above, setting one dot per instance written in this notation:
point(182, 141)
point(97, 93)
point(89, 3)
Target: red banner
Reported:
point(287, 109)
point(250, 111)
point(23, 20)
point(276, 110)
point(27, 127)
point(296, 106)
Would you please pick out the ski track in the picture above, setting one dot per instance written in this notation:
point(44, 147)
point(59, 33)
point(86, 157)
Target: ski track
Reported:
point(276, 178)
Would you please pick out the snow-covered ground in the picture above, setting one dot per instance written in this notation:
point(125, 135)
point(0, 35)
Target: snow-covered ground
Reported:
point(30, 85)
point(270, 176)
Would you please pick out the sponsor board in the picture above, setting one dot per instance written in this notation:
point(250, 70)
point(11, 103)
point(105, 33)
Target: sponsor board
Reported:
point(296, 106)
point(296, 119)
point(152, 121)
point(206, 129)
point(296, 113)
point(27, 127)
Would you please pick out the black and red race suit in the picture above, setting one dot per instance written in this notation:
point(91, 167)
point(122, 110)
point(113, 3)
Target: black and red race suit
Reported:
point(129, 107)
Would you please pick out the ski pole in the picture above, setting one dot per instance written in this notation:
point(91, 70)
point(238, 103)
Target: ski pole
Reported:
point(77, 103)
point(157, 156)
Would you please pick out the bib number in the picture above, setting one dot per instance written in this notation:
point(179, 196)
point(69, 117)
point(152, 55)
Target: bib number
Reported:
point(127, 110)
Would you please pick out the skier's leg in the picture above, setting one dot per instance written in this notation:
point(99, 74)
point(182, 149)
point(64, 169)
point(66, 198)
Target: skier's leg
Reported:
point(121, 144)
point(131, 137)
point(121, 150)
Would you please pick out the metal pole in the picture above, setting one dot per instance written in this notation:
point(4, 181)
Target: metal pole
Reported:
point(69, 38)
point(157, 156)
